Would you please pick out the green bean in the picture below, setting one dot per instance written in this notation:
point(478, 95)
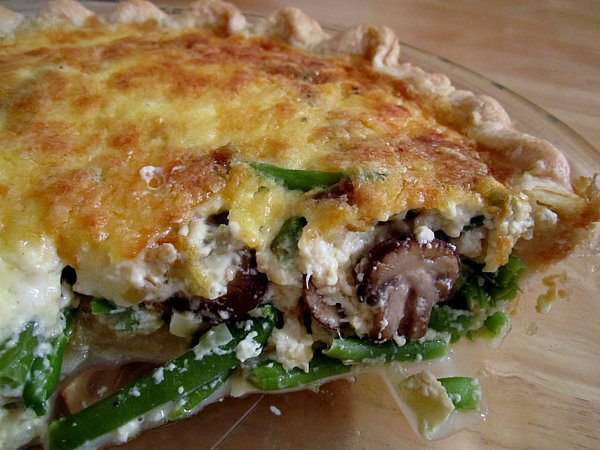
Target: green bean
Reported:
point(497, 324)
point(303, 180)
point(506, 280)
point(193, 401)
point(285, 244)
point(465, 392)
point(362, 351)
point(16, 358)
point(126, 319)
point(45, 370)
point(272, 376)
point(482, 294)
point(215, 354)
point(456, 322)
point(103, 306)
point(476, 294)
point(483, 291)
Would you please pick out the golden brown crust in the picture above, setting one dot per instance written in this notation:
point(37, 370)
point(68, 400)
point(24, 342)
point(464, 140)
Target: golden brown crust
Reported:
point(214, 13)
point(62, 13)
point(479, 137)
point(375, 43)
point(136, 11)
point(9, 21)
point(294, 27)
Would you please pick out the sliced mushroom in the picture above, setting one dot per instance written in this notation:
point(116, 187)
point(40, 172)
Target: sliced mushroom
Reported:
point(402, 280)
point(243, 294)
point(343, 190)
point(325, 313)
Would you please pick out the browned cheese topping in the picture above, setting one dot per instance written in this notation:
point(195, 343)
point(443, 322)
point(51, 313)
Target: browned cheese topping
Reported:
point(118, 133)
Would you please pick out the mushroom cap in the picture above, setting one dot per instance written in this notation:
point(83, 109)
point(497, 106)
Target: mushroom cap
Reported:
point(402, 279)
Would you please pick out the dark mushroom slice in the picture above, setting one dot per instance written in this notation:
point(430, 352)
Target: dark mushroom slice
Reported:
point(243, 294)
point(402, 280)
point(344, 190)
point(325, 313)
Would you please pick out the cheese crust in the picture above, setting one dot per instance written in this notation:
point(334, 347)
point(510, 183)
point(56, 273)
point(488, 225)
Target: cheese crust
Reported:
point(118, 138)
point(121, 135)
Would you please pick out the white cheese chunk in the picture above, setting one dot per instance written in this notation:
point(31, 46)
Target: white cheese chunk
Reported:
point(30, 288)
point(326, 261)
point(248, 347)
point(424, 234)
point(293, 344)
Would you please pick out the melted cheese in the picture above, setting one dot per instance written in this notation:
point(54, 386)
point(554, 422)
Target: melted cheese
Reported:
point(136, 120)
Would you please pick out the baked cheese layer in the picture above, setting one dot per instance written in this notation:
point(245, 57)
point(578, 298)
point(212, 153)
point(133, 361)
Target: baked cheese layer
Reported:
point(117, 141)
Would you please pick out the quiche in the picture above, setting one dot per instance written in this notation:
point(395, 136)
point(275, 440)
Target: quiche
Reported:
point(248, 207)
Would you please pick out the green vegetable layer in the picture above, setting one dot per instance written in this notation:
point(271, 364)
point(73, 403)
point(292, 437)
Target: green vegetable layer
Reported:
point(476, 309)
point(205, 364)
point(272, 376)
